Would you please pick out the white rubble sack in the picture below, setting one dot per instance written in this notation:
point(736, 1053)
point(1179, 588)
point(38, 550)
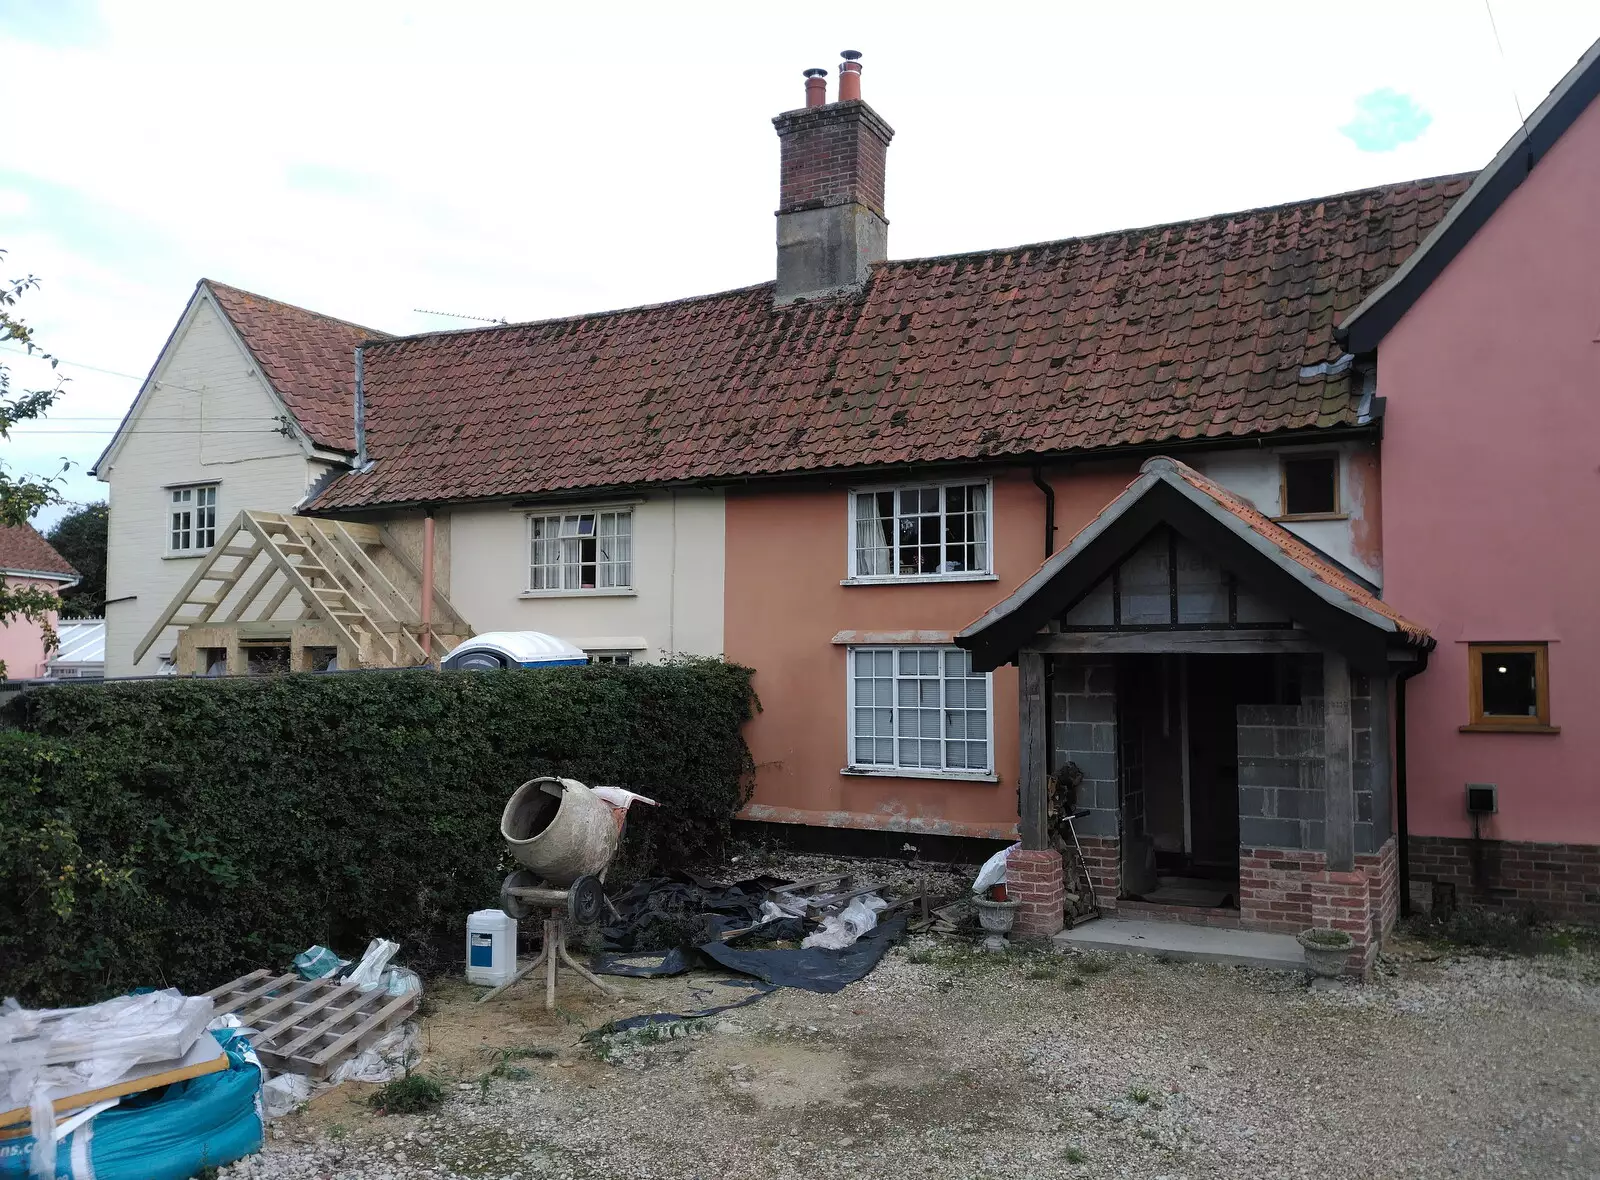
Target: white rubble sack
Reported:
point(842, 929)
point(385, 1059)
point(368, 973)
point(993, 871)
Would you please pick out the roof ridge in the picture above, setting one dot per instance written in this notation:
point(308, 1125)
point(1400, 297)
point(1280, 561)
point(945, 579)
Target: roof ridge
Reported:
point(1146, 230)
point(591, 315)
point(321, 315)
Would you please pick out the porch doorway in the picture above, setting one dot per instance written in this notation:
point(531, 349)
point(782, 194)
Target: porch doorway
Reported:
point(1179, 772)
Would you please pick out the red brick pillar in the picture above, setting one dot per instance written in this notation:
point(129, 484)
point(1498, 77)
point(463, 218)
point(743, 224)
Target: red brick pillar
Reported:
point(1036, 879)
point(1343, 901)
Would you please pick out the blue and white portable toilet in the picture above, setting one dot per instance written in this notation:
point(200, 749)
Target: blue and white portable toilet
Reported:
point(512, 649)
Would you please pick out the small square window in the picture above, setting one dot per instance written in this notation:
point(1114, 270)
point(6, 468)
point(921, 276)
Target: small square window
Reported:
point(192, 518)
point(1510, 687)
point(1311, 485)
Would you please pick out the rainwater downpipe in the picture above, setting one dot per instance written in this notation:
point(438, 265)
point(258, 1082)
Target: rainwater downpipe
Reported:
point(427, 584)
point(1402, 817)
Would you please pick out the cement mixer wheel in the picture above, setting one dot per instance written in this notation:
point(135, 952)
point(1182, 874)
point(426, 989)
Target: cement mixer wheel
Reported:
point(586, 900)
point(513, 905)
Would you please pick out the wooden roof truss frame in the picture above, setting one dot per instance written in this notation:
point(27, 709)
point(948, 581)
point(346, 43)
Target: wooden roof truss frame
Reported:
point(330, 566)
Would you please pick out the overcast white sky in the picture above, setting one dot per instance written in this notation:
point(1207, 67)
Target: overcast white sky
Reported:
point(530, 160)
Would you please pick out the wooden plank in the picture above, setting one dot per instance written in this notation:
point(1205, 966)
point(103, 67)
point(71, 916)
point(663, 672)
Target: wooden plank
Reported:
point(397, 1008)
point(302, 1013)
point(357, 1008)
point(1221, 643)
point(1340, 800)
point(166, 618)
point(242, 983)
point(251, 987)
point(399, 607)
point(135, 1084)
point(293, 576)
point(361, 534)
point(1033, 795)
point(252, 1013)
point(252, 591)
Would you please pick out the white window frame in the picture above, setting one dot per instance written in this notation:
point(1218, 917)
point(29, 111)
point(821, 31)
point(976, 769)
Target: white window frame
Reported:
point(192, 529)
point(563, 513)
point(852, 766)
point(852, 578)
point(617, 657)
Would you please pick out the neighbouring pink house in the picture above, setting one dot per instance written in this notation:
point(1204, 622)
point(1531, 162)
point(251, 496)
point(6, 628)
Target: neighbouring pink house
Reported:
point(1488, 357)
point(26, 559)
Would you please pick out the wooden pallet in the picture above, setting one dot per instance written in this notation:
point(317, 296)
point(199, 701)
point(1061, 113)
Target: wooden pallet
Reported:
point(310, 1026)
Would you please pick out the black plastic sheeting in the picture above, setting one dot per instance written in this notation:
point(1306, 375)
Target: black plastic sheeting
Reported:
point(669, 926)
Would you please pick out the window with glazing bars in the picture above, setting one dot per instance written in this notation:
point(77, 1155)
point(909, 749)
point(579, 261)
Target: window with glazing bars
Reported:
point(918, 708)
point(918, 531)
point(582, 551)
point(194, 519)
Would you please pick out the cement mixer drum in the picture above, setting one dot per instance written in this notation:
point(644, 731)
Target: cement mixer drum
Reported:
point(560, 829)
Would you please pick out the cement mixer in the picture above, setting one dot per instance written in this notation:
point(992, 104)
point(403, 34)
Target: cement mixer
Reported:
point(566, 835)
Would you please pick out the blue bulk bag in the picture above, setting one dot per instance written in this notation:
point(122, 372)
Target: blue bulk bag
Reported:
point(169, 1133)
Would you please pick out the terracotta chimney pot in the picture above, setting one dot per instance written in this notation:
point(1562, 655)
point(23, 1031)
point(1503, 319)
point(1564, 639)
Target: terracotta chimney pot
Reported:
point(850, 76)
point(816, 88)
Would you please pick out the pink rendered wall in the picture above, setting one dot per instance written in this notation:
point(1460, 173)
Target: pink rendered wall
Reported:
point(1491, 498)
point(21, 641)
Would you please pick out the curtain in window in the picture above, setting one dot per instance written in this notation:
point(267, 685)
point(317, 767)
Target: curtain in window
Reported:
point(979, 525)
point(874, 540)
point(615, 536)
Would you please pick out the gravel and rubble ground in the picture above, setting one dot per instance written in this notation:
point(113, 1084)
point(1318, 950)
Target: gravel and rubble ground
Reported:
point(947, 1062)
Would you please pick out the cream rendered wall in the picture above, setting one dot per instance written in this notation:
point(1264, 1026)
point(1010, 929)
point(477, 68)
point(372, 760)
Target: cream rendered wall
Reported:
point(1354, 541)
point(676, 604)
point(206, 416)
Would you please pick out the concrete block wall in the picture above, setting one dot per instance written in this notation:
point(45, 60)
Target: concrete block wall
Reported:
point(1282, 797)
point(1282, 780)
point(1084, 711)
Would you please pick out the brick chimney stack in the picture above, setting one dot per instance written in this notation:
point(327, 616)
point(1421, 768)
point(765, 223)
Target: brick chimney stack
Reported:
point(831, 227)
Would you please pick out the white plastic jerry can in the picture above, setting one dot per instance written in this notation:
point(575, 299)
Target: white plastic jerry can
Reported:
point(491, 947)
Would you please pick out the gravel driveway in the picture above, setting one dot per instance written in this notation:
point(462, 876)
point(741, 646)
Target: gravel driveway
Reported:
point(949, 1063)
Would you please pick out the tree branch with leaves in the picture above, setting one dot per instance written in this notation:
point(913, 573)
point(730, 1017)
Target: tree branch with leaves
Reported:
point(22, 495)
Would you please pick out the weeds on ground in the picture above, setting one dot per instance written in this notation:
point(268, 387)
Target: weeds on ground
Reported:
point(502, 1064)
point(1074, 1154)
point(412, 1094)
point(1140, 1094)
point(1504, 932)
point(1091, 964)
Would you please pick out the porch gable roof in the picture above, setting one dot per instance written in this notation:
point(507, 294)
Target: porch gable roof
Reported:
point(1332, 605)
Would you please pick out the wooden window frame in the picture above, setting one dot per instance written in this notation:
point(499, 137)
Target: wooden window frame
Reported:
point(1501, 723)
point(852, 537)
point(1338, 512)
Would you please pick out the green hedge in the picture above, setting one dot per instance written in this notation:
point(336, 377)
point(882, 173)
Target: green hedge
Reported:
point(181, 832)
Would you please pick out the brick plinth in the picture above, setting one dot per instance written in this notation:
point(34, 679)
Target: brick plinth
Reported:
point(1035, 878)
point(1287, 892)
point(1557, 880)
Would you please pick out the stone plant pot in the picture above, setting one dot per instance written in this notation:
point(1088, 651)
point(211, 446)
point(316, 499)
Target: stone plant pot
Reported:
point(996, 918)
point(1327, 951)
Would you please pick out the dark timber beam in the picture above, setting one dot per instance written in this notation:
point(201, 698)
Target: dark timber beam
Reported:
point(1341, 799)
point(1222, 643)
point(1032, 797)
